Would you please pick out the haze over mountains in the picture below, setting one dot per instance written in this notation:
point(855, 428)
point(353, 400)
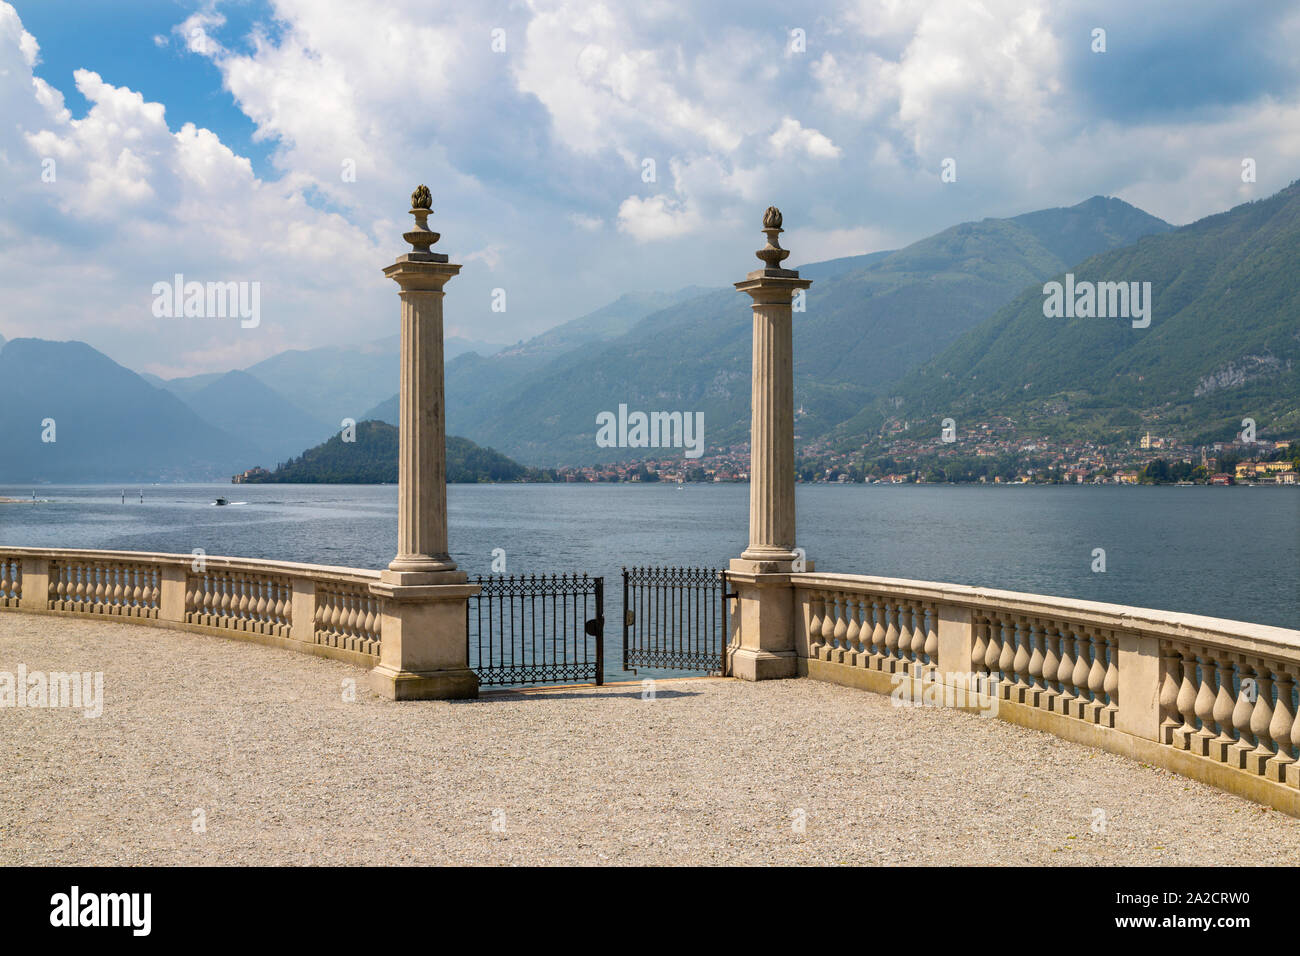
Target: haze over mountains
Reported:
point(868, 320)
point(1223, 343)
point(949, 326)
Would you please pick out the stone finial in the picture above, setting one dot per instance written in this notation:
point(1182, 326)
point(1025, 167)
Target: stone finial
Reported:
point(772, 254)
point(421, 237)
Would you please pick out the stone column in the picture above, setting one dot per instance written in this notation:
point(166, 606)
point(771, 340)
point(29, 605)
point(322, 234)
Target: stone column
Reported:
point(422, 653)
point(765, 627)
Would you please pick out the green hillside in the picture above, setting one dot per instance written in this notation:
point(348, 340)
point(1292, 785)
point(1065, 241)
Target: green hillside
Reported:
point(863, 329)
point(372, 459)
point(1223, 343)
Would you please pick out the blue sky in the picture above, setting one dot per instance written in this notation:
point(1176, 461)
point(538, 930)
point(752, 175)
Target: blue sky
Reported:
point(212, 138)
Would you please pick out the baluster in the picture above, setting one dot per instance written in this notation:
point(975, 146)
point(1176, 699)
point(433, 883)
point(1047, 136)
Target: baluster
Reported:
point(980, 648)
point(878, 648)
point(902, 610)
point(1217, 749)
point(1064, 701)
point(1007, 657)
point(275, 607)
point(1110, 686)
point(1169, 661)
point(852, 647)
point(1261, 721)
point(232, 600)
point(1020, 661)
point(336, 617)
point(370, 619)
point(828, 626)
point(931, 647)
point(1096, 677)
point(1186, 702)
point(1051, 664)
point(85, 588)
point(1079, 676)
point(1293, 770)
point(994, 654)
point(1241, 713)
point(99, 591)
point(1206, 694)
point(1281, 728)
point(890, 611)
point(116, 598)
point(816, 610)
point(918, 635)
point(835, 648)
point(259, 610)
point(1037, 693)
point(246, 602)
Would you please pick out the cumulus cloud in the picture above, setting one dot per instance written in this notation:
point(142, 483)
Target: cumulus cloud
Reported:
point(543, 141)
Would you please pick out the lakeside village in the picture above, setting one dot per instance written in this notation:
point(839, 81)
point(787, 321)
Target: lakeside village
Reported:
point(989, 454)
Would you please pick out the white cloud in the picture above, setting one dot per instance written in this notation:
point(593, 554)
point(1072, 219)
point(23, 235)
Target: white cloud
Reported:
point(791, 136)
point(658, 217)
point(546, 140)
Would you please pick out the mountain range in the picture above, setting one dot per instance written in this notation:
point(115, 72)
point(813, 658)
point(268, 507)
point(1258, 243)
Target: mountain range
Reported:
point(1223, 343)
point(868, 321)
point(952, 325)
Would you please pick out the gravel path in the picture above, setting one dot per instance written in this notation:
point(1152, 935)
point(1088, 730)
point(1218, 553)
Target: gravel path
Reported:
point(287, 772)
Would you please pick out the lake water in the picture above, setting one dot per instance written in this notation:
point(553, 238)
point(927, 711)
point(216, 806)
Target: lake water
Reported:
point(1224, 552)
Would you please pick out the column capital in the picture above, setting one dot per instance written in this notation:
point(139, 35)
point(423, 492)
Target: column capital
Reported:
point(417, 272)
point(772, 286)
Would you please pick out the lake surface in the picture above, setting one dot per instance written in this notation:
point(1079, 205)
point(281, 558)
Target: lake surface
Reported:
point(1224, 552)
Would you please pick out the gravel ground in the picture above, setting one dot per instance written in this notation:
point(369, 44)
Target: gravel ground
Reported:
point(710, 772)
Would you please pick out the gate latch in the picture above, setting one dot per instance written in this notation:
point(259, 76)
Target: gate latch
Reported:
point(595, 627)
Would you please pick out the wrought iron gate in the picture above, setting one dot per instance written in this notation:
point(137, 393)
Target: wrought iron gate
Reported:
point(675, 619)
point(537, 629)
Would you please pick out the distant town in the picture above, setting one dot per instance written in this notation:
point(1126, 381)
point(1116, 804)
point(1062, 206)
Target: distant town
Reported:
point(988, 453)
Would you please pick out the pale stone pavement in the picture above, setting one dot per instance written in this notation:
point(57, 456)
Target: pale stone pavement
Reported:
point(286, 771)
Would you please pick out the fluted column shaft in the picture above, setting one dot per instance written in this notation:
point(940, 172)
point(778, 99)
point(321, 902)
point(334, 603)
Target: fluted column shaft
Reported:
point(771, 449)
point(422, 468)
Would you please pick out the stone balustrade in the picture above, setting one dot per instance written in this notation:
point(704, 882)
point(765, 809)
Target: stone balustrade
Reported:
point(320, 610)
point(1212, 699)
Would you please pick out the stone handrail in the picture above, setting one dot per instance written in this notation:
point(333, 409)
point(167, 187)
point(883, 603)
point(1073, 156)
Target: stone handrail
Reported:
point(1209, 698)
point(314, 608)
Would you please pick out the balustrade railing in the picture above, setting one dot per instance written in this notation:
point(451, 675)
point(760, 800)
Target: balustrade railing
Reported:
point(323, 609)
point(239, 601)
point(1205, 692)
point(11, 580)
point(347, 616)
point(1227, 692)
point(104, 586)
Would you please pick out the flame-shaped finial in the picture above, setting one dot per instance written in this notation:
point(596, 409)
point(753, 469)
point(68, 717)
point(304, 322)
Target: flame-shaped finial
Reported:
point(772, 254)
point(421, 237)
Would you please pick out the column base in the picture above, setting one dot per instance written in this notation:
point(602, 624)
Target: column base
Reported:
point(459, 684)
point(780, 562)
point(750, 664)
point(421, 579)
